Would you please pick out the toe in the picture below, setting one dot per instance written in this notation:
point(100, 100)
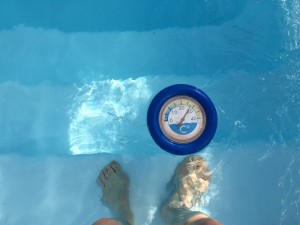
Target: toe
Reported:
point(115, 166)
point(111, 169)
point(205, 174)
point(103, 180)
point(107, 173)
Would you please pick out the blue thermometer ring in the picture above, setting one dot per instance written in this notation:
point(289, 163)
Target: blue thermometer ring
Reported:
point(182, 119)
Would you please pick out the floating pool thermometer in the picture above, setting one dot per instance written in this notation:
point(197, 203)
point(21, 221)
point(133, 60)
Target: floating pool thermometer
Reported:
point(182, 119)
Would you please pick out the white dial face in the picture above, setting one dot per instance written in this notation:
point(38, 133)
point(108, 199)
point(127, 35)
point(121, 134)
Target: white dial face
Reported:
point(182, 119)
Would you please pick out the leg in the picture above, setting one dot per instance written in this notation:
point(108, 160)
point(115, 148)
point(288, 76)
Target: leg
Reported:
point(191, 181)
point(106, 222)
point(115, 187)
point(201, 219)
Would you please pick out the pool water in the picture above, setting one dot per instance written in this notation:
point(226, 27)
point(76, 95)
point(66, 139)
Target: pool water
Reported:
point(76, 79)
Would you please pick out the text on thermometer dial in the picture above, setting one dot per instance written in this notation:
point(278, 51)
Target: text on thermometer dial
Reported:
point(182, 119)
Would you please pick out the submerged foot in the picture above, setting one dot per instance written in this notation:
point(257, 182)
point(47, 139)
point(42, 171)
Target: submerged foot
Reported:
point(115, 187)
point(191, 181)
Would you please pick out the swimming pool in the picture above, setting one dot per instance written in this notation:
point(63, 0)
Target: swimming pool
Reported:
point(76, 80)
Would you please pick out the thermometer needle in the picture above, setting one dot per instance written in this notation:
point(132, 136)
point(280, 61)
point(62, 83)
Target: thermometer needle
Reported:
point(182, 119)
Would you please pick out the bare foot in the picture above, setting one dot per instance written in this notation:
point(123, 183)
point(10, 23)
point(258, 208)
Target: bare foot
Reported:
point(191, 181)
point(115, 187)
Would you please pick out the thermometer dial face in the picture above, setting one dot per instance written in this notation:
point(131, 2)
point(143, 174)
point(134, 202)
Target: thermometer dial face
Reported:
point(182, 119)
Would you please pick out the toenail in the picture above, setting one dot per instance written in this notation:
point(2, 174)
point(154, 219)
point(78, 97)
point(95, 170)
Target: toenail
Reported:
point(105, 176)
point(113, 169)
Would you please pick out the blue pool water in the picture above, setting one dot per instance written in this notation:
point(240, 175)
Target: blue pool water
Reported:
point(76, 79)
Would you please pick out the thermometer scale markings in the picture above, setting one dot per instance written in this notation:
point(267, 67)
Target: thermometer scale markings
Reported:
point(175, 104)
point(168, 112)
point(182, 119)
point(177, 119)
